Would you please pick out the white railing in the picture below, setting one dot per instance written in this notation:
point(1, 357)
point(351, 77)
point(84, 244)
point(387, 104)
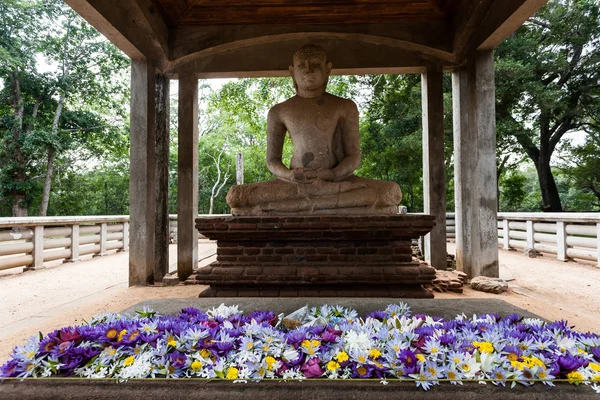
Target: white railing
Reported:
point(567, 235)
point(32, 241)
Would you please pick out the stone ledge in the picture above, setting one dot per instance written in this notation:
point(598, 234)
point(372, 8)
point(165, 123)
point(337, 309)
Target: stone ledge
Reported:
point(192, 389)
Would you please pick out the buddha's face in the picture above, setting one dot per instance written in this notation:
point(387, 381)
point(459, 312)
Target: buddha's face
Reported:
point(310, 71)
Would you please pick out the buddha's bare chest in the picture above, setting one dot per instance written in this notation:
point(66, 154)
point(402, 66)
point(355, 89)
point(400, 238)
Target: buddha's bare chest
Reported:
point(311, 120)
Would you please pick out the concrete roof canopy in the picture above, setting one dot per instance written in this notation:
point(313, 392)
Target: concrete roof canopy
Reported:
point(242, 38)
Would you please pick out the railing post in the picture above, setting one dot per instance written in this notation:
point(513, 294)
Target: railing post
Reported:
point(506, 238)
point(38, 249)
point(561, 241)
point(598, 244)
point(74, 244)
point(125, 237)
point(103, 233)
point(530, 233)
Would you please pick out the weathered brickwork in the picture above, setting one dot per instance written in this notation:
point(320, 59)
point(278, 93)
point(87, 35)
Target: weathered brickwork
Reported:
point(315, 256)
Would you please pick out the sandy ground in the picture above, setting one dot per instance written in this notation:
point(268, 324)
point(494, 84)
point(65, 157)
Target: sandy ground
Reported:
point(68, 294)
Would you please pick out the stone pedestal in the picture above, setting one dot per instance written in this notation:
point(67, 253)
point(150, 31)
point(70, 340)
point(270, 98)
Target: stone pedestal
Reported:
point(315, 256)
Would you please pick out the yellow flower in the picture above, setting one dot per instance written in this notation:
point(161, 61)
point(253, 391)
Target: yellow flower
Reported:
point(484, 347)
point(232, 373)
point(332, 365)
point(171, 341)
point(575, 377)
point(196, 366)
point(421, 357)
point(205, 353)
point(111, 334)
point(596, 378)
point(270, 362)
point(517, 365)
point(341, 357)
point(129, 360)
point(121, 334)
point(374, 353)
point(595, 367)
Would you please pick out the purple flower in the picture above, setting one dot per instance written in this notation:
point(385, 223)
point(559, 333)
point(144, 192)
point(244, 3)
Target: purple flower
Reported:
point(408, 358)
point(380, 315)
point(362, 371)
point(596, 353)
point(177, 359)
point(330, 335)
point(447, 338)
point(554, 369)
point(311, 368)
point(569, 363)
point(70, 363)
point(47, 345)
point(10, 369)
point(263, 316)
point(69, 334)
point(224, 347)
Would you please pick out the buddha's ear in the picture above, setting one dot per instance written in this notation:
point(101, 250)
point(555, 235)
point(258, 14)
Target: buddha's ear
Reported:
point(291, 69)
point(329, 66)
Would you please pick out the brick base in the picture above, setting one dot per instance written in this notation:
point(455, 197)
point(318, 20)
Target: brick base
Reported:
point(315, 256)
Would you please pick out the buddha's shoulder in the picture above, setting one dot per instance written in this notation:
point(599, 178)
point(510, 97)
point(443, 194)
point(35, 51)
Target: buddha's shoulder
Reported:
point(340, 101)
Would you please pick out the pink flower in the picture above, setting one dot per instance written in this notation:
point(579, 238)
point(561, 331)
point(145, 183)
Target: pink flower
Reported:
point(311, 368)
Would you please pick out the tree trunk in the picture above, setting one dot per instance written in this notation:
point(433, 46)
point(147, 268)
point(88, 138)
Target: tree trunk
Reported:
point(50, 164)
point(19, 197)
point(550, 197)
point(47, 183)
point(212, 203)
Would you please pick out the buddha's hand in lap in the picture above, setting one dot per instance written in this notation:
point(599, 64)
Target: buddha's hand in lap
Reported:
point(308, 175)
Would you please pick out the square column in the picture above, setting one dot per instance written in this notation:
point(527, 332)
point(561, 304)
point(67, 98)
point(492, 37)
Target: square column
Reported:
point(474, 119)
point(142, 182)
point(187, 184)
point(434, 179)
point(161, 249)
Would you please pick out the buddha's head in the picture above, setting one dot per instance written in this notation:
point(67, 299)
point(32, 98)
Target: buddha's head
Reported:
point(310, 70)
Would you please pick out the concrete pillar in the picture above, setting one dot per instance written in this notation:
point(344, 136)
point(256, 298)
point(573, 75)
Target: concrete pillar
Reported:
point(125, 236)
point(187, 184)
point(142, 182)
point(161, 236)
point(506, 238)
point(103, 232)
point(434, 179)
point(38, 249)
point(561, 241)
point(475, 166)
point(74, 244)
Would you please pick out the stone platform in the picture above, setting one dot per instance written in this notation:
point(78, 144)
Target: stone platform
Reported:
point(315, 256)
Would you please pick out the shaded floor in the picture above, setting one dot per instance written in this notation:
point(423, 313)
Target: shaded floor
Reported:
point(68, 294)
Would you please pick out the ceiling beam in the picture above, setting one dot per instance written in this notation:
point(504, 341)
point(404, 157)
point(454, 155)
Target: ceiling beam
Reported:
point(505, 18)
point(136, 27)
point(430, 40)
point(484, 24)
point(347, 57)
point(467, 21)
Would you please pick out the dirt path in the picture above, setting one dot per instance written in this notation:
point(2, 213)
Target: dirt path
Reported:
point(68, 294)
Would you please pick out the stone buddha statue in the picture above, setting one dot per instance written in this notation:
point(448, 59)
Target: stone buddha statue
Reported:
point(326, 152)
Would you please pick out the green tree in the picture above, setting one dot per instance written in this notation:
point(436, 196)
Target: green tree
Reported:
point(49, 120)
point(548, 83)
